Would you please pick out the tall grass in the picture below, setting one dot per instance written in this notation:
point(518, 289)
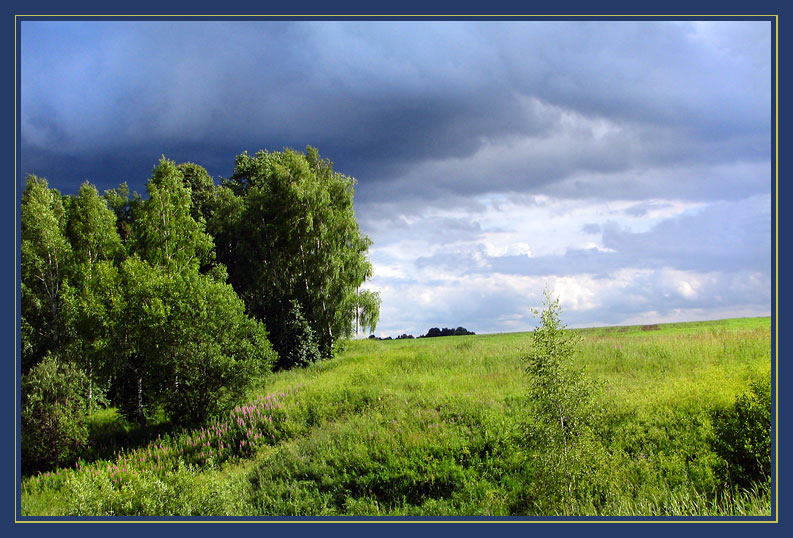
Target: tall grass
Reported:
point(441, 427)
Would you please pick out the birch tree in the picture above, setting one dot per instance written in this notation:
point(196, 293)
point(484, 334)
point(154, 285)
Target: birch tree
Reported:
point(561, 398)
point(287, 232)
point(45, 263)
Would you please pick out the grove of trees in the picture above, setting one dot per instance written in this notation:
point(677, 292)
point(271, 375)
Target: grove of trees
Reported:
point(432, 333)
point(435, 332)
point(175, 301)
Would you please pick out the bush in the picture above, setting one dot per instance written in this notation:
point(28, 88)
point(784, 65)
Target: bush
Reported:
point(54, 404)
point(742, 436)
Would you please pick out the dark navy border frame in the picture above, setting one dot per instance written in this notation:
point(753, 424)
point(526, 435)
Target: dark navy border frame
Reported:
point(494, 9)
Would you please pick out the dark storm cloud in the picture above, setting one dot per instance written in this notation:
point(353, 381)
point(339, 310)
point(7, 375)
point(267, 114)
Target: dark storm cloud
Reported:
point(661, 74)
point(459, 133)
point(627, 165)
point(384, 100)
point(92, 90)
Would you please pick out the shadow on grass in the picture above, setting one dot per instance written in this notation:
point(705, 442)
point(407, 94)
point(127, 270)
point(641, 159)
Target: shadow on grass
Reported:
point(109, 433)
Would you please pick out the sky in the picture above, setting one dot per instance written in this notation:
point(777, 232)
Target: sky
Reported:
point(626, 165)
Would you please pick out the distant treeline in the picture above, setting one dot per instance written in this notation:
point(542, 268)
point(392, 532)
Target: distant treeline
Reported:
point(432, 333)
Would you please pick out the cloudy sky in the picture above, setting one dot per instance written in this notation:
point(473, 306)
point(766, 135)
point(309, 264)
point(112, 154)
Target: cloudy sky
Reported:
point(625, 164)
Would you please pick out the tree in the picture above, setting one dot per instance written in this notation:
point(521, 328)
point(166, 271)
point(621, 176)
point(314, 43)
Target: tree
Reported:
point(560, 395)
point(126, 289)
point(182, 337)
point(96, 246)
point(45, 264)
point(285, 228)
point(433, 333)
point(202, 190)
point(297, 340)
point(367, 310)
point(165, 241)
point(124, 208)
point(92, 305)
point(91, 228)
point(184, 343)
point(140, 322)
point(165, 232)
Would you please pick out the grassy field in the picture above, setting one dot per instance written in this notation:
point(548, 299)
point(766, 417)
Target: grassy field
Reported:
point(442, 427)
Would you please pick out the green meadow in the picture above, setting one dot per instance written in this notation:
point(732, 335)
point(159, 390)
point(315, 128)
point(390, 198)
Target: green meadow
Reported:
point(444, 427)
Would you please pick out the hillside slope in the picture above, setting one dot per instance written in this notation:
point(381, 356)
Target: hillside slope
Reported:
point(442, 427)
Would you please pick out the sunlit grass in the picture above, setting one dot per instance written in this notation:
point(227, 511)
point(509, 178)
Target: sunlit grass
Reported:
point(437, 427)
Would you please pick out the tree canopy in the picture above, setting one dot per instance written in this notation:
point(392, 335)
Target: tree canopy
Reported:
point(178, 300)
point(287, 234)
point(46, 261)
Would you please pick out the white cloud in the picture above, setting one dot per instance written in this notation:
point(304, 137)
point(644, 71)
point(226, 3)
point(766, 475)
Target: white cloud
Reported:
point(426, 281)
point(498, 302)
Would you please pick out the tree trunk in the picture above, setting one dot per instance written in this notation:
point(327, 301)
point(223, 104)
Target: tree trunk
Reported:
point(566, 467)
point(90, 384)
point(305, 276)
point(325, 313)
point(141, 415)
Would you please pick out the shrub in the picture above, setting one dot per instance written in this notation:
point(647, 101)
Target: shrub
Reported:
point(742, 436)
point(54, 404)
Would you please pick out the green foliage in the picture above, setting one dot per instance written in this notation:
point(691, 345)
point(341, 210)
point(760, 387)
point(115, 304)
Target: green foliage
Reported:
point(45, 265)
point(165, 232)
point(184, 340)
point(436, 427)
point(54, 405)
point(170, 336)
point(296, 339)
point(150, 326)
point(202, 190)
point(367, 310)
point(91, 228)
point(126, 289)
point(183, 492)
point(558, 390)
point(561, 398)
point(211, 350)
point(93, 307)
point(124, 208)
point(742, 436)
point(140, 320)
point(97, 247)
point(285, 228)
